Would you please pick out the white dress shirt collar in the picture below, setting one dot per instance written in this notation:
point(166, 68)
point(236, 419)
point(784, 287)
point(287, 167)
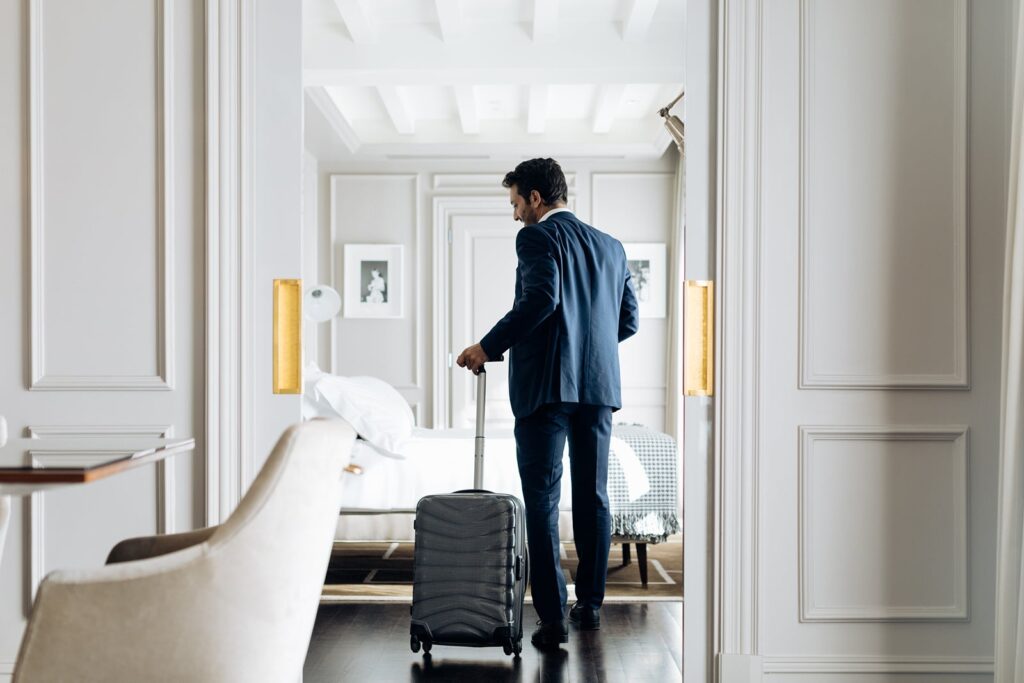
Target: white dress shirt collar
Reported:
point(551, 213)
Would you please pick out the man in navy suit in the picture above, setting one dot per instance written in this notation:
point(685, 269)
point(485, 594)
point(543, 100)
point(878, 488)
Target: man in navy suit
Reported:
point(574, 304)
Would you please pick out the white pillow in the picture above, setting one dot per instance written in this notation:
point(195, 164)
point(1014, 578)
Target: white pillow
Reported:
point(373, 407)
point(313, 404)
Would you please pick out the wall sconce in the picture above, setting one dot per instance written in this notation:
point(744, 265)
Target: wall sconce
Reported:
point(321, 303)
point(673, 123)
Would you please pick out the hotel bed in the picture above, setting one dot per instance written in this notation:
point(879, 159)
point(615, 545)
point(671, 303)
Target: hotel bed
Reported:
point(394, 464)
point(380, 492)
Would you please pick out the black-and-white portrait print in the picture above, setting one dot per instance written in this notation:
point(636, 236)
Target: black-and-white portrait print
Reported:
point(374, 282)
point(646, 262)
point(640, 271)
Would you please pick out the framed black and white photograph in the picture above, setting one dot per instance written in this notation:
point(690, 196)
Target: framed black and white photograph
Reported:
point(647, 264)
point(373, 280)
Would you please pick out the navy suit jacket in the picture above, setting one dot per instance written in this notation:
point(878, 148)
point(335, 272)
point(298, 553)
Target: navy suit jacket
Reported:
point(574, 304)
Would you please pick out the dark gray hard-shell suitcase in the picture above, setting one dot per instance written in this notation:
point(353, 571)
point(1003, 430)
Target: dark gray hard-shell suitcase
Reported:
point(471, 566)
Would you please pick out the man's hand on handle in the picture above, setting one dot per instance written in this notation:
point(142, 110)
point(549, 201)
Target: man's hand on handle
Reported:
point(473, 358)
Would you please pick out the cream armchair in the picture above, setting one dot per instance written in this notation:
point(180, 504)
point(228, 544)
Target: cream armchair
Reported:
point(229, 603)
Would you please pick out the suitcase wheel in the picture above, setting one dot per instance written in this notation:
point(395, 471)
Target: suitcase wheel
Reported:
point(414, 643)
point(512, 646)
point(426, 646)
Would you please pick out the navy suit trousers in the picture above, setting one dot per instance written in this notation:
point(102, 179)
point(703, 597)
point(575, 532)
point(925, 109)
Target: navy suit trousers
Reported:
point(540, 442)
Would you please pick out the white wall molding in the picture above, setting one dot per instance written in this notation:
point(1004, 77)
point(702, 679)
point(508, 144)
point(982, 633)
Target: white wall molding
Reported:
point(631, 174)
point(446, 208)
point(229, 152)
point(957, 607)
point(99, 382)
point(864, 664)
point(737, 668)
point(99, 431)
point(735, 607)
point(810, 377)
point(488, 182)
point(42, 456)
point(164, 379)
point(420, 240)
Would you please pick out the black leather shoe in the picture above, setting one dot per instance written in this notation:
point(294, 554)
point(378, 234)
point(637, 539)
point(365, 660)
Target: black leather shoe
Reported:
point(550, 635)
point(588, 619)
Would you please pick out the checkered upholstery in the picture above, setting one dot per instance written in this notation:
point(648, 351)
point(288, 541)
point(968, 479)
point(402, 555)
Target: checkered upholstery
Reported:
point(654, 516)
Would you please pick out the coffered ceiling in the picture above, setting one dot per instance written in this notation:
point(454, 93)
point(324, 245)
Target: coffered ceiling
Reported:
point(494, 78)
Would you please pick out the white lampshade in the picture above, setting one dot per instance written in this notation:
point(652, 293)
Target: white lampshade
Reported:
point(321, 303)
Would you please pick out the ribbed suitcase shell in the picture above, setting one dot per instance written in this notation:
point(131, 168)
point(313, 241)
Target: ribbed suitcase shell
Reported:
point(470, 570)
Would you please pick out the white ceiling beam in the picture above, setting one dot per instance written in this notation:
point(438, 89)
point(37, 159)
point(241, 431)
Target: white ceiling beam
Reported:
point(545, 19)
point(449, 16)
point(537, 114)
point(518, 150)
point(638, 20)
point(596, 57)
point(667, 74)
point(398, 111)
point(607, 106)
point(360, 25)
point(335, 118)
point(469, 113)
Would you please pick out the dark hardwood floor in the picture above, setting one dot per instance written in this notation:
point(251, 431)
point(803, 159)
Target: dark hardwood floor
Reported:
point(639, 643)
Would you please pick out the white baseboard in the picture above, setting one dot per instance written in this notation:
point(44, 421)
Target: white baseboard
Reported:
point(733, 668)
point(871, 664)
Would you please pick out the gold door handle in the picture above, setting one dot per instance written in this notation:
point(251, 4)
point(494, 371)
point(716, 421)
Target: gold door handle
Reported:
point(699, 338)
point(287, 336)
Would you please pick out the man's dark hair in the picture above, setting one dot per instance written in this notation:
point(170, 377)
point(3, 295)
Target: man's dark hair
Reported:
point(543, 175)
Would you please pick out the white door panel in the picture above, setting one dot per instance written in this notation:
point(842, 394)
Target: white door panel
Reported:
point(483, 278)
point(861, 387)
point(277, 212)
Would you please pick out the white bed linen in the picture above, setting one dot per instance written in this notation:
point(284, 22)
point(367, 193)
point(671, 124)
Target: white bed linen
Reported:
point(441, 461)
point(436, 461)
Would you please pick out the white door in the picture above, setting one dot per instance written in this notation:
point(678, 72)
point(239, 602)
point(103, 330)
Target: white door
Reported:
point(253, 208)
point(862, 278)
point(483, 279)
point(276, 221)
point(101, 270)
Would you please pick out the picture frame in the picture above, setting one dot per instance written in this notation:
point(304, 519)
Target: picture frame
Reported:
point(373, 280)
point(648, 267)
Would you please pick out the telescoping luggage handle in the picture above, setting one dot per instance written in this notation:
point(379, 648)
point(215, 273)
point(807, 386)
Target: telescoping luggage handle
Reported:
point(481, 401)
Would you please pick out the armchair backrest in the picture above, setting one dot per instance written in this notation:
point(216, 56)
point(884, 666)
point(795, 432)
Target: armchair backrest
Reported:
point(277, 543)
point(238, 607)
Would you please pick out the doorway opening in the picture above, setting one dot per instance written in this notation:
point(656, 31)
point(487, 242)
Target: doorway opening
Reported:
point(413, 114)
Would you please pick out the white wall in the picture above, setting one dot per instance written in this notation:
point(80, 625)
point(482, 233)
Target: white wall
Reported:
point(101, 270)
point(393, 202)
